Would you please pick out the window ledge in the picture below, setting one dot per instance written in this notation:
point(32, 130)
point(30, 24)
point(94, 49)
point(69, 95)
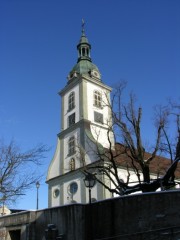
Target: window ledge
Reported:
point(71, 154)
point(100, 107)
point(70, 109)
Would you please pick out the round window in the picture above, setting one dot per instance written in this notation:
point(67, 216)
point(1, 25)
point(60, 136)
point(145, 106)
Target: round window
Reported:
point(73, 187)
point(56, 193)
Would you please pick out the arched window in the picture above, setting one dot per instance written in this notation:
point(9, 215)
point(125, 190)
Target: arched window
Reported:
point(97, 99)
point(83, 51)
point(71, 145)
point(71, 101)
point(72, 165)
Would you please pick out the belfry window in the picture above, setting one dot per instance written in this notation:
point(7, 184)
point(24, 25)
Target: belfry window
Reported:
point(71, 145)
point(83, 51)
point(97, 99)
point(71, 101)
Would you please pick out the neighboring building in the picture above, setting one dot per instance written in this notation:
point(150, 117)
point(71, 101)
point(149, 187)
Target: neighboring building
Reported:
point(85, 119)
point(4, 210)
point(157, 167)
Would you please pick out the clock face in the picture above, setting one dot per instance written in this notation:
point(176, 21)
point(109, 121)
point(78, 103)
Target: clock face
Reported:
point(72, 188)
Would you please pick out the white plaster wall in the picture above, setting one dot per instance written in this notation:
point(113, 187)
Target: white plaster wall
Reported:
point(90, 102)
point(101, 135)
point(99, 131)
point(54, 168)
point(133, 180)
point(67, 196)
point(90, 151)
point(55, 200)
point(76, 109)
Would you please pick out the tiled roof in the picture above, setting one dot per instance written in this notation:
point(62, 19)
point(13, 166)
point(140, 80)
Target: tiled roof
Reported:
point(159, 165)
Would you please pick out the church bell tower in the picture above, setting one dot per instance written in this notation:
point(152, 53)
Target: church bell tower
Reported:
point(85, 118)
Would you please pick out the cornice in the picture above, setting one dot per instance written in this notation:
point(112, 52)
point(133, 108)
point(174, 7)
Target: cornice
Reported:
point(81, 78)
point(73, 127)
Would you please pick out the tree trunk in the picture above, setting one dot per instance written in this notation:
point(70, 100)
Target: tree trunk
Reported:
point(146, 174)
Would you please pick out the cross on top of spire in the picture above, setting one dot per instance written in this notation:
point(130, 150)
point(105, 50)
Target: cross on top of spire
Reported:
point(83, 26)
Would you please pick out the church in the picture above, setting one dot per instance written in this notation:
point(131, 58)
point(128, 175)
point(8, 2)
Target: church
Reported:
point(85, 118)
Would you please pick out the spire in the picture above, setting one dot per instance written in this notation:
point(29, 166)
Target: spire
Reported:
point(84, 65)
point(83, 47)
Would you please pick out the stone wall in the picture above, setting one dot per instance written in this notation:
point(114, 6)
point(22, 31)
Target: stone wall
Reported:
point(144, 216)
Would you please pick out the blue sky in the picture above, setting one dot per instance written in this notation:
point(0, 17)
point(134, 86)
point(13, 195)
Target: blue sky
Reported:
point(133, 40)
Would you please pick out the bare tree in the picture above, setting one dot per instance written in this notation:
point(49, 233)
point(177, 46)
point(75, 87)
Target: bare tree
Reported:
point(131, 153)
point(17, 170)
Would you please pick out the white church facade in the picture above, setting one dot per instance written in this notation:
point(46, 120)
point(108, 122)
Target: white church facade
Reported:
point(85, 128)
point(85, 119)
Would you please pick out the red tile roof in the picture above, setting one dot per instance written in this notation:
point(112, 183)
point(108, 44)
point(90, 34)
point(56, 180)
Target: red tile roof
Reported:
point(159, 165)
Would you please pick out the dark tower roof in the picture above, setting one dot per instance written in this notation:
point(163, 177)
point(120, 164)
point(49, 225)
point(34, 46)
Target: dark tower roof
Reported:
point(84, 63)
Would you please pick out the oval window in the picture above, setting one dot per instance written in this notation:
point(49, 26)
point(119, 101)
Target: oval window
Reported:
point(56, 193)
point(73, 187)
